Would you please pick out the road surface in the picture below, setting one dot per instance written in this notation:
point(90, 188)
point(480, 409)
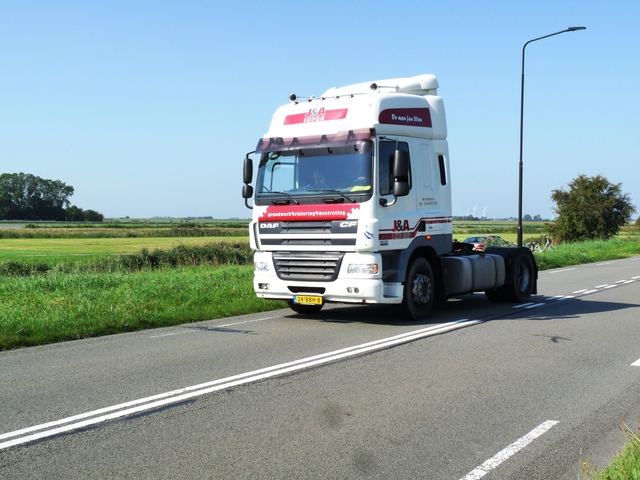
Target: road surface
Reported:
point(483, 390)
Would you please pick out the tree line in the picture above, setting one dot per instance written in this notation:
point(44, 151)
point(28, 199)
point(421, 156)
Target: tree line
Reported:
point(28, 197)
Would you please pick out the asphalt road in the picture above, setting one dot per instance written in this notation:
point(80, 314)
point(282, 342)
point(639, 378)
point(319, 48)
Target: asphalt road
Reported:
point(484, 390)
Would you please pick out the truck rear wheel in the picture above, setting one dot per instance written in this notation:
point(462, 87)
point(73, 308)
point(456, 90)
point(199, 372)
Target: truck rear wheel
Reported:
point(304, 309)
point(419, 290)
point(522, 278)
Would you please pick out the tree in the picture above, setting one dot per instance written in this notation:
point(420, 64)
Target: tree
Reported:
point(593, 208)
point(76, 214)
point(27, 197)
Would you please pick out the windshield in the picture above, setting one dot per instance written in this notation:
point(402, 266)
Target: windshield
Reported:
point(315, 175)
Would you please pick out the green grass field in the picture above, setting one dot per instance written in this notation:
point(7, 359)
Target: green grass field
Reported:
point(83, 249)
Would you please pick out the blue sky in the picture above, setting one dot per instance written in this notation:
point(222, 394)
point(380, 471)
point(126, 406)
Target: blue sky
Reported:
point(148, 108)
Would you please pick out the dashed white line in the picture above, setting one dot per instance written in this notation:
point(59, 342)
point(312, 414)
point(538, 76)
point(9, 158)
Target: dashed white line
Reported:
point(523, 305)
point(508, 452)
point(535, 305)
point(562, 271)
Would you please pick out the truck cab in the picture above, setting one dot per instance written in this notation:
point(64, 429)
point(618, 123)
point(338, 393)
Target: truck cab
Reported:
point(352, 203)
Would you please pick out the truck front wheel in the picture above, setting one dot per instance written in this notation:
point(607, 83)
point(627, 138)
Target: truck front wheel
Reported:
point(419, 290)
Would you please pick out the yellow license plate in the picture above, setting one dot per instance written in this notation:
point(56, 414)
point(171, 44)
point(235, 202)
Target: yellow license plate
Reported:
point(307, 300)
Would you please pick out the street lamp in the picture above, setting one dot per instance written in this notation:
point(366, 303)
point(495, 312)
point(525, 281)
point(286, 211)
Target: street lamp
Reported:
point(570, 29)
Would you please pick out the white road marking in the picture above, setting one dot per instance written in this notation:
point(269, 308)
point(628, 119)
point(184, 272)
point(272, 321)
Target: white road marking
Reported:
point(535, 305)
point(610, 286)
point(523, 305)
point(580, 291)
point(156, 401)
point(636, 363)
point(601, 286)
point(562, 271)
point(511, 450)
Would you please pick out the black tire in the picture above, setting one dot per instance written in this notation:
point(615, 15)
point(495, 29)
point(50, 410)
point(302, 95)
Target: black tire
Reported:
point(522, 277)
point(419, 290)
point(304, 309)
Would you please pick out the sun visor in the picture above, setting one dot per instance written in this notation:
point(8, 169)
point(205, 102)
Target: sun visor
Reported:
point(340, 139)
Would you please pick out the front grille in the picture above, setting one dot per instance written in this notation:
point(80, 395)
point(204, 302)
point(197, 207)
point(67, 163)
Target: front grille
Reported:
point(318, 233)
point(308, 266)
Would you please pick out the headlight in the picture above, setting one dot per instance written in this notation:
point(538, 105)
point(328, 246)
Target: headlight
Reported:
point(261, 266)
point(363, 268)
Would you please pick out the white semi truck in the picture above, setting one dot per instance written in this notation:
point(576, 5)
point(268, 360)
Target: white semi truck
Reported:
point(352, 204)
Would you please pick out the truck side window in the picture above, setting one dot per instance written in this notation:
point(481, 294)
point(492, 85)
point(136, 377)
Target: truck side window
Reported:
point(443, 172)
point(385, 157)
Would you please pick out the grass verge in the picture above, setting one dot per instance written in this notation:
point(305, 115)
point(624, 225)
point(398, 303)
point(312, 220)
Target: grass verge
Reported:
point(625, 466)
point(587, 252)
point(40, 309)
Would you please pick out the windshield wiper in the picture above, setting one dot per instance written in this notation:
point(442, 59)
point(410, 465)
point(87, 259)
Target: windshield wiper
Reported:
point(332, 191)
point(286, 195)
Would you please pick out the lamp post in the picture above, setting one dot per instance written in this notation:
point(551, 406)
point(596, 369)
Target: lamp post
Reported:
point(570, 29)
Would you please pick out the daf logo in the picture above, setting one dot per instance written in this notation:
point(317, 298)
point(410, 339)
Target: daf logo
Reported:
point(269, 225)
point(348, 224)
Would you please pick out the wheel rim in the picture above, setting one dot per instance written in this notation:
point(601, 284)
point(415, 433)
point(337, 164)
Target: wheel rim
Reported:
point(421, 289)
point(523, 277)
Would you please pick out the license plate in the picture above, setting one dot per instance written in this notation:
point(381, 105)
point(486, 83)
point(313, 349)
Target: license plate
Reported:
point(307, 300)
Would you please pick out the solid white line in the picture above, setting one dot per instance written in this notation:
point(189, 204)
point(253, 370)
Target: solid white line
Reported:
point(187, 393)
point(511, 450)
point(636, 363)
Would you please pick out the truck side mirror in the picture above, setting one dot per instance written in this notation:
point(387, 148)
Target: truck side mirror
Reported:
point(400, 173)
point(247, 176)
point(247, 191)
point(247, 170)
